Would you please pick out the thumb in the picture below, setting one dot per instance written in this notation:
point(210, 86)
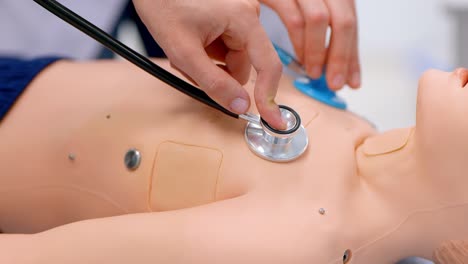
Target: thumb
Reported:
point(191, 58)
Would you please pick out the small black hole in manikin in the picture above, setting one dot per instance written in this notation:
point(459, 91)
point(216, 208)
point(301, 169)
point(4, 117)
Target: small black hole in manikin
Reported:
point(347, 256)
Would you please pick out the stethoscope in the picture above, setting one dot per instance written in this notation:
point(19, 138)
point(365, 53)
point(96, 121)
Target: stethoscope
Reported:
point(265, 141)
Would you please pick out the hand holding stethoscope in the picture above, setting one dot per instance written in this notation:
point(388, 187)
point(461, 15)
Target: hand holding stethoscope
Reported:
point(281, 140)
point(307, 22)
point(192, 33)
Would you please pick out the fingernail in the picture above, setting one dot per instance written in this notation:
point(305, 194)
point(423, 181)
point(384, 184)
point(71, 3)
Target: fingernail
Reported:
point(356, 79)
point(284, 124)
point(338, 82)
point(316, 72)
point(239, 105)
point(279, 123)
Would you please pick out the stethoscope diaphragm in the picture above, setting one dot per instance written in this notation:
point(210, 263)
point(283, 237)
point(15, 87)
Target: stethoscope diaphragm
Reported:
point(277, 145)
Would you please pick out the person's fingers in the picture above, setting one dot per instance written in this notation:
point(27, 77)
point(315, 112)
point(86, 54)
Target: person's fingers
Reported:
point(240, 78)
point(217, 50)
point(238, 65)
point(238, 20)
point(317, 19)
point(237, 62)
point(343, 24)
point(292, 17)
point(354, 71)
point(264, 59)
point(192, 59)
point(249, 35)
point(183, 73)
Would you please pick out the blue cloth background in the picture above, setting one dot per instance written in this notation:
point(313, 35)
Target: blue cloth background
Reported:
point(15, 75)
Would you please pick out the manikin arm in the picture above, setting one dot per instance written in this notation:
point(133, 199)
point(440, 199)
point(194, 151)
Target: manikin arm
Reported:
point(213, 233)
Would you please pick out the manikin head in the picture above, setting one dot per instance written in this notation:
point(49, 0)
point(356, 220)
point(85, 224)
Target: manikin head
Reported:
point(442, 120)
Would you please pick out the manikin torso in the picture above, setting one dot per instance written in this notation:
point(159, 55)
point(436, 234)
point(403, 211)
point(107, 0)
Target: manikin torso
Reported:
point(384, 196)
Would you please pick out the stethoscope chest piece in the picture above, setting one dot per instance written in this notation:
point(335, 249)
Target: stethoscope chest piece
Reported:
point(277, 145)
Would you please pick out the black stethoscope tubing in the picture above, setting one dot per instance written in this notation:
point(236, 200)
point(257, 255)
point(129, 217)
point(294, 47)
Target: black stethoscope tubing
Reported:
point(131, 55)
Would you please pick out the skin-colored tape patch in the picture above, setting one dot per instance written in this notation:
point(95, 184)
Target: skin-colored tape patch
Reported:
point(184, 176)
point(387, 143)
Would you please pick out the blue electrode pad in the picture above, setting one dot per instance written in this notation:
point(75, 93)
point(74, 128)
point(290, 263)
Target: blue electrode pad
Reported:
point(319, 90)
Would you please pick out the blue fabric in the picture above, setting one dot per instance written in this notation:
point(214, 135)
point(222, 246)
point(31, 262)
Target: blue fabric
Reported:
point(15, 75)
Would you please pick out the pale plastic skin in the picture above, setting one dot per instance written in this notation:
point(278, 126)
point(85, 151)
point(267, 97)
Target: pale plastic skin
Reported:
point(67, 197)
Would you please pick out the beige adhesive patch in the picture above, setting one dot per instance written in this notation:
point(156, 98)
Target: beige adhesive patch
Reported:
point(184, 176)
point(388, 142)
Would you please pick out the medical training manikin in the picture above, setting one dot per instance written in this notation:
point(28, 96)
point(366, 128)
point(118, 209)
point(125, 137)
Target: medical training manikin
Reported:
point(102, 163)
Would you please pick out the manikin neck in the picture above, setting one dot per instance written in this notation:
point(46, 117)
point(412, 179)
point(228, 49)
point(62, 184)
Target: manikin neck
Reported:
point(388, 160)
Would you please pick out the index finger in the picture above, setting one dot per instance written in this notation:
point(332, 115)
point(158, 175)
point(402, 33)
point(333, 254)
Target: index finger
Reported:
point(340, 51)
point(269, 68)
